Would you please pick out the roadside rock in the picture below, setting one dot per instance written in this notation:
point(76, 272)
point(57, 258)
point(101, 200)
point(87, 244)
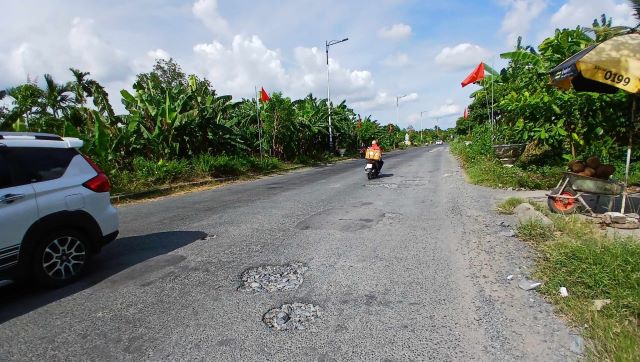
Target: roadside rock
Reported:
point(526, 212)
point(615, 217)
point(508, 234)
point(577, 345)
point(526, 284)
point(291, 316)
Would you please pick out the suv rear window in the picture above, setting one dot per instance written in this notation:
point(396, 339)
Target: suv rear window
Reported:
point(5, 177)
point(29, 165)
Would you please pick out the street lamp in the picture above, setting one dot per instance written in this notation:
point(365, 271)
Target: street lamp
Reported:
point(421, 128)
point(398, 98)
point(327, 45)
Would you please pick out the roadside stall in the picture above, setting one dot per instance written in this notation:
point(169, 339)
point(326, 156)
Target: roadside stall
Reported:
point(602, 68)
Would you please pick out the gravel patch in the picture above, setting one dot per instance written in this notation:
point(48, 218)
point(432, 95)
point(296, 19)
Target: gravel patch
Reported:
point(271, 278)
point(291, 316)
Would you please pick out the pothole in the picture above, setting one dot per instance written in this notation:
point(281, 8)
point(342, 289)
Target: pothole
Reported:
point(345, 219)
point(291, 316)
point(413, 183)
point(271, 278)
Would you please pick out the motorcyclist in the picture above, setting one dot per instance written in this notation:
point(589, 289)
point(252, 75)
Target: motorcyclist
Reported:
point(374, 146)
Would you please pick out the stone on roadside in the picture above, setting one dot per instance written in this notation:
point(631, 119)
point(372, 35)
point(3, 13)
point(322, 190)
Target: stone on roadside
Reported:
point(577, 345)
point(508, 234)
point(615, 217)
point(526, 284)
point(633, 221)
point(633, 215)
point(526, 213)
point(564, 292)
point(510, 277)
point(598, 304)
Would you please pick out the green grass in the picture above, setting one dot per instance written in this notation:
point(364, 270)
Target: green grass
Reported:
point(147, 174)
point(591, 266)
point(484, 169)
point(506, 207)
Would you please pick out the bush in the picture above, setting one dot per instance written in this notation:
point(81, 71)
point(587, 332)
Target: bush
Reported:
point(162, 171)
point(483, 168)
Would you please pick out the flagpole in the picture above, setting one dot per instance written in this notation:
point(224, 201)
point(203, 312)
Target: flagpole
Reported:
point(259, 123)
point(493, 120)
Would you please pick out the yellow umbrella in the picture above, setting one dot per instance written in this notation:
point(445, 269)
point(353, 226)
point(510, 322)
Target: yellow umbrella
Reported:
point(604, 68)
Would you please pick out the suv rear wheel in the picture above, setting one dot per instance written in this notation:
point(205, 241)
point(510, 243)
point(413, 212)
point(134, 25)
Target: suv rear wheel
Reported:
point(60, 258)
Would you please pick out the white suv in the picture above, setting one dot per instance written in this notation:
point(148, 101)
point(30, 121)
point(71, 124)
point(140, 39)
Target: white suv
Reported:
point(55, 210)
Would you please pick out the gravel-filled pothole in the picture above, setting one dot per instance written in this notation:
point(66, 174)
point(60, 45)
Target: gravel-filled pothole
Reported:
point(291, 316)
point(271, 278)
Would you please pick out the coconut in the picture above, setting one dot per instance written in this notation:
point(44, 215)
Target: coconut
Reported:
point(576, 166)
point(605, 171)
point(589, 172)
point(593, 162)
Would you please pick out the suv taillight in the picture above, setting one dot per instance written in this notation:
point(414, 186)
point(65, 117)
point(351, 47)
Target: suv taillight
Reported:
point(100, 183)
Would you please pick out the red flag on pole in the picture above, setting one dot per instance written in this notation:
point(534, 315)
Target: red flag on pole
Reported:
point(264, 97)
point(475, 76)
point(466, 112)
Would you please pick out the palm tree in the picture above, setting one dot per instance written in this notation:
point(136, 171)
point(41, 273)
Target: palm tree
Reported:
point(55, 97)
point(80, 86)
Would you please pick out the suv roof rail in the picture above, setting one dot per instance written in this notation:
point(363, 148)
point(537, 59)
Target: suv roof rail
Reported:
point(35, 135)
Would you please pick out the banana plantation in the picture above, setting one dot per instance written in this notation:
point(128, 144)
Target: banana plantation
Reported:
point(178, 127)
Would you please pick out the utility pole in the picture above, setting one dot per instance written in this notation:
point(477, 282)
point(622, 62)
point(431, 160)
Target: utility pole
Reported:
point(421, 127)
point(398, 98)
point(327, 45)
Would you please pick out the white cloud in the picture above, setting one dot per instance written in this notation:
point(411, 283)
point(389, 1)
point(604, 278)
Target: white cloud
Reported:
point(237, 69)
point(94, 53)
point(207, 12)
point(396, 60)
point(146, 63)
point(22, 62)
point(395, 32)
point(520, 14)
point(582, 12)
point(384, 100)
point(461, 56)
point(158, 54)
point(310, 75)
point(448, 109)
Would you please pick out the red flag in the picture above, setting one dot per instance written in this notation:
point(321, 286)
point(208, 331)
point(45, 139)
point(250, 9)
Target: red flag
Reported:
point(264, 97)
point(466, 112)
point(475, 76)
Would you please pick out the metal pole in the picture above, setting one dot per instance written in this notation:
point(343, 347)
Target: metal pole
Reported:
point(397, 101)
point(628, 164)
point(398, 98)
point(259, 123)
point(421, 126)
point(329, 99)
point(327, 44)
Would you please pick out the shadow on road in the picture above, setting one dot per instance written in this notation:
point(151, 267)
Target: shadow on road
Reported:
point(383, 175)
point(122, 254)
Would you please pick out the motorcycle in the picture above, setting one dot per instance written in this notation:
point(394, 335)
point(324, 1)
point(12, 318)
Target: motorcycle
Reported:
point(372, 169)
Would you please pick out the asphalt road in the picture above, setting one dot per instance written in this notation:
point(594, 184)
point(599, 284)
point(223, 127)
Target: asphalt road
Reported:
point(409, 266)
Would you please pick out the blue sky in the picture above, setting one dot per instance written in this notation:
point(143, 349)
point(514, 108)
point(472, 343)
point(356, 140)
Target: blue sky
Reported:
point(396, 47)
